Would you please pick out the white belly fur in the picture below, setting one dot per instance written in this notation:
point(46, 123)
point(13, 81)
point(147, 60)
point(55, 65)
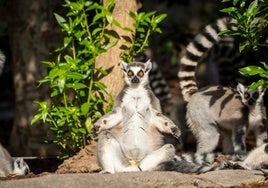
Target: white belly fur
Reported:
point(136, 119)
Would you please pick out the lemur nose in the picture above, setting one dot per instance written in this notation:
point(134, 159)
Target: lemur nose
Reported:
point(251, 101)
point(135, 80)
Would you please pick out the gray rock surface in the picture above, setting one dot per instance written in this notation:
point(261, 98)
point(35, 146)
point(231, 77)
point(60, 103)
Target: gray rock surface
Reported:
point(222, 178)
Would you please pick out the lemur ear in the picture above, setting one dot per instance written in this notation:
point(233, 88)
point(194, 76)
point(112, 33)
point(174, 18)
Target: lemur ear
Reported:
point(123, 65)
point(261, 90)
point(18, 162)
point(148, 65)
point(241, 88)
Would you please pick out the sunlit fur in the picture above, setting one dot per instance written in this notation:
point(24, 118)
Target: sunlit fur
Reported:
point(215, 111)
point(131, 135)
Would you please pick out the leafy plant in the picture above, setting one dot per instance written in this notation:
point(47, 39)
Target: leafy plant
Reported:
point(145, 24)
point(251, 19)
point(78, 96)
point(251, 22)
point(261, 72)
point(77, 93)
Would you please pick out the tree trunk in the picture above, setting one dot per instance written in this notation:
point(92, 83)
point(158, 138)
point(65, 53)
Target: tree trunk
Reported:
point(33, 34)
point(111, 58)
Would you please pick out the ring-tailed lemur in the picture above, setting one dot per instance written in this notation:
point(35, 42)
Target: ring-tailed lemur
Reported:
point(215, 110)
point(9, 165)
point(255, 159)
point(131, 135)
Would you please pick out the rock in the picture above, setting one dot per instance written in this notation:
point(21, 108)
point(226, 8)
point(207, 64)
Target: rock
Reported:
point(222, 178)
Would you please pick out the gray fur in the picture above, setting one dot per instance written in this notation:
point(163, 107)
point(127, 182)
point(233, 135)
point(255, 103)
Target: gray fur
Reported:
point(9, 165)
point(216, 111)
point(194, 163)
point(255, 160)
point(131, 135)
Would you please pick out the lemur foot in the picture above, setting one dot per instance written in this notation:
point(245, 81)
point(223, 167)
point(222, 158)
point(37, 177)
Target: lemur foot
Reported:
point(104, 172)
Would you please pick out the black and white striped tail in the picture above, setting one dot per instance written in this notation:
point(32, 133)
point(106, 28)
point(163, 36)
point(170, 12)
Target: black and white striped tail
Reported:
point(159, 84)
point(195, 50)
point(193, 163)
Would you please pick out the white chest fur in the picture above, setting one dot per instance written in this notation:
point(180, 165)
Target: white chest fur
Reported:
point(256, 116)
point(136, 100)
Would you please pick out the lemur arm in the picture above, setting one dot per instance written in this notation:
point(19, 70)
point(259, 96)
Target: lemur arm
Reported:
point(108, 121)
point(164, 124)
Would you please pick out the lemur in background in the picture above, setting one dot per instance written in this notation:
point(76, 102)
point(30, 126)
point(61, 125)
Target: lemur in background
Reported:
point(131, 135)
point(215, 110)
point(257, 159)
point(9, 165)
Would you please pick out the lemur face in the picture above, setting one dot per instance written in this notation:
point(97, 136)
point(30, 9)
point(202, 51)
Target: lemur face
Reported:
point(136, 72)
point(20, 167)
point(250, 97)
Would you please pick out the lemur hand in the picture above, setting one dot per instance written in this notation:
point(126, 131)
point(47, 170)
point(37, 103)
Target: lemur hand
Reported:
point(95, 130)
point(176, 132)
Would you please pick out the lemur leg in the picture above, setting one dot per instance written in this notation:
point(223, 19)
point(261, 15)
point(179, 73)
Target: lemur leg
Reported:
point(108, 121)
point(153, 160)
point(111, 159)
point(165, 125)
point(261, 135)
point(227, 146)
point(109, 154)
point(207, 140)
point(239, 134)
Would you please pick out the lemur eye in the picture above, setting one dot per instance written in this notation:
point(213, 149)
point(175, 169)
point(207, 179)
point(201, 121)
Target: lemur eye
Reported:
point(246, 95)
point(140, 73)
point(255, 95)
point(130, 73)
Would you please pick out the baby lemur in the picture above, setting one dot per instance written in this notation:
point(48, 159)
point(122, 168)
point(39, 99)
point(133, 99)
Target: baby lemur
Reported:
point(131, 135)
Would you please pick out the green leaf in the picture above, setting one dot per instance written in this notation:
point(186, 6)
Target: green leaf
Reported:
point(82, 130)
point(75, 75)
point(76, 86)
point(132, 15)
point(160, 18)
point(265, 66)
point(110, 45)
point(257, 84)
point(252, 9)
point(85, 108)
point(59, 19)
point(127, 29)
point(251, 70)
point(243, 45)
point(62, 22)
point(229, 10)
point(36, 118)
